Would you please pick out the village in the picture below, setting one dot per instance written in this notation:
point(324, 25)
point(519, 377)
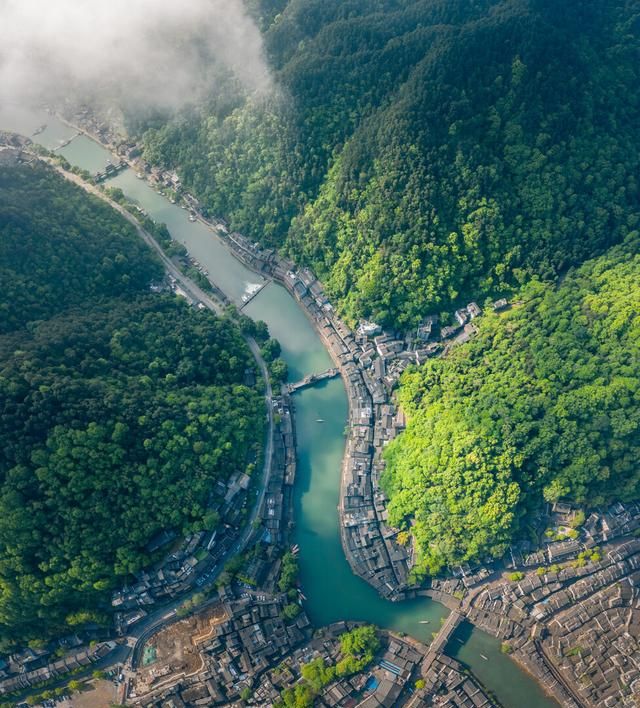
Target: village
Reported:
point(195, 561)
point(567, 608)
point(186, 566)
point(370, 361)
point(243, 653)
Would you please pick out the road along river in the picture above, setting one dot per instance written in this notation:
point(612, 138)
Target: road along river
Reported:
point(332, 591)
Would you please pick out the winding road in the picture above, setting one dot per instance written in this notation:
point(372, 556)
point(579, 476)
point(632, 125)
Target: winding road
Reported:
point(167, 614)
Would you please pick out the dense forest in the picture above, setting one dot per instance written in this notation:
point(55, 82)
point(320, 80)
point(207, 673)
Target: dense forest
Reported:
point(544, 404)
point(119, 409)
point(417, 153)
point(59, 247)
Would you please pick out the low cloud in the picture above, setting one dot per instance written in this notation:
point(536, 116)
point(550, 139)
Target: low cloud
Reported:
point(151, 53)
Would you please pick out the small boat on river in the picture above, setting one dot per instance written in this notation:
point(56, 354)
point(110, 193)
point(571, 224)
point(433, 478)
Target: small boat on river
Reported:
point(319, 420)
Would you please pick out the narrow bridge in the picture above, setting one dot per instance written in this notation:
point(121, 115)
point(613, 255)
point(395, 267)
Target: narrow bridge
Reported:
point(62, 145)
point(312, 379)
point(441, 639)
point(110, 171)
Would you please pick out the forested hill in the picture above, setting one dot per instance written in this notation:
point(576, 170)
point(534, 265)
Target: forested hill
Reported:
point(543, 405)
point(119, 410)
point(419, 153)
point(59, 247)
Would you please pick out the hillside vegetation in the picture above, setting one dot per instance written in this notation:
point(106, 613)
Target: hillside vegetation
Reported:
point(423, 152)
point(59, 247)
point(544, 404)
point(119, 410)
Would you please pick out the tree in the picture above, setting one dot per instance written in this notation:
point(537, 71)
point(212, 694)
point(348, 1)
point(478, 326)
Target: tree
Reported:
point(271, 349)
point(288, 572)
point(246, 693)
point(318, 674)
point(529, 410)
point(360, 641)
point(414, 174)
point(112, 400)
point(291, 611)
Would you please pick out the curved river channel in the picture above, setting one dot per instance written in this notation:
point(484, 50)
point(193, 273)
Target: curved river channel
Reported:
point(333, 592)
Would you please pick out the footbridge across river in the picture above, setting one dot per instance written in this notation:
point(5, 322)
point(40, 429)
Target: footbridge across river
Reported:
point(311, 379)
point(441, 639)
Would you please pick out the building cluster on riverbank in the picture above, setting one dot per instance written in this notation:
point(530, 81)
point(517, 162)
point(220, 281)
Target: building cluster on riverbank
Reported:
point(575, 626)
point(371, 362)
point(212, 665)
point(388, 681)
point(449, 685)
point(369, 545)
point(184, 568)
point(243, 653)
point(196, 558)
point(276, 512)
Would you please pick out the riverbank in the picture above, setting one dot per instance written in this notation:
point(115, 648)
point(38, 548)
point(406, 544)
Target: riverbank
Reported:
point(368, 543)
point(334, 592)
point(205, 566)
point(341, 345)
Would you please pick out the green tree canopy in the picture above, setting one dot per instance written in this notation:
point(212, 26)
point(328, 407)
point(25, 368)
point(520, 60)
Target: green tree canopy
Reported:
point(419, 152)
point(542, 405)
point(119, 410)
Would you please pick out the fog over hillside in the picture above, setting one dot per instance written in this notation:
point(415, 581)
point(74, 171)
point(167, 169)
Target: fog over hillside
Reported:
point(137, 52)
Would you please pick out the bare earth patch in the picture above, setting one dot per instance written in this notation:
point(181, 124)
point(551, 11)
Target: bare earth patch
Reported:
point(99, 694)
point(174, 652)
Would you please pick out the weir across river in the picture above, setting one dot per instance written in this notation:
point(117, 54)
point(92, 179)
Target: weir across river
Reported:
point(249, 297)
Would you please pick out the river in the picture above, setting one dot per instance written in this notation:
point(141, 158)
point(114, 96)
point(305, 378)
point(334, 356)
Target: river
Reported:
point(332, 591)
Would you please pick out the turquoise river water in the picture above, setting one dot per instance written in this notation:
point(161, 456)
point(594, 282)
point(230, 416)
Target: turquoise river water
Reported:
point(332, 591)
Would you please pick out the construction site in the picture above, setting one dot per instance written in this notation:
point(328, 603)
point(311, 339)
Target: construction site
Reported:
point(173, 654)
